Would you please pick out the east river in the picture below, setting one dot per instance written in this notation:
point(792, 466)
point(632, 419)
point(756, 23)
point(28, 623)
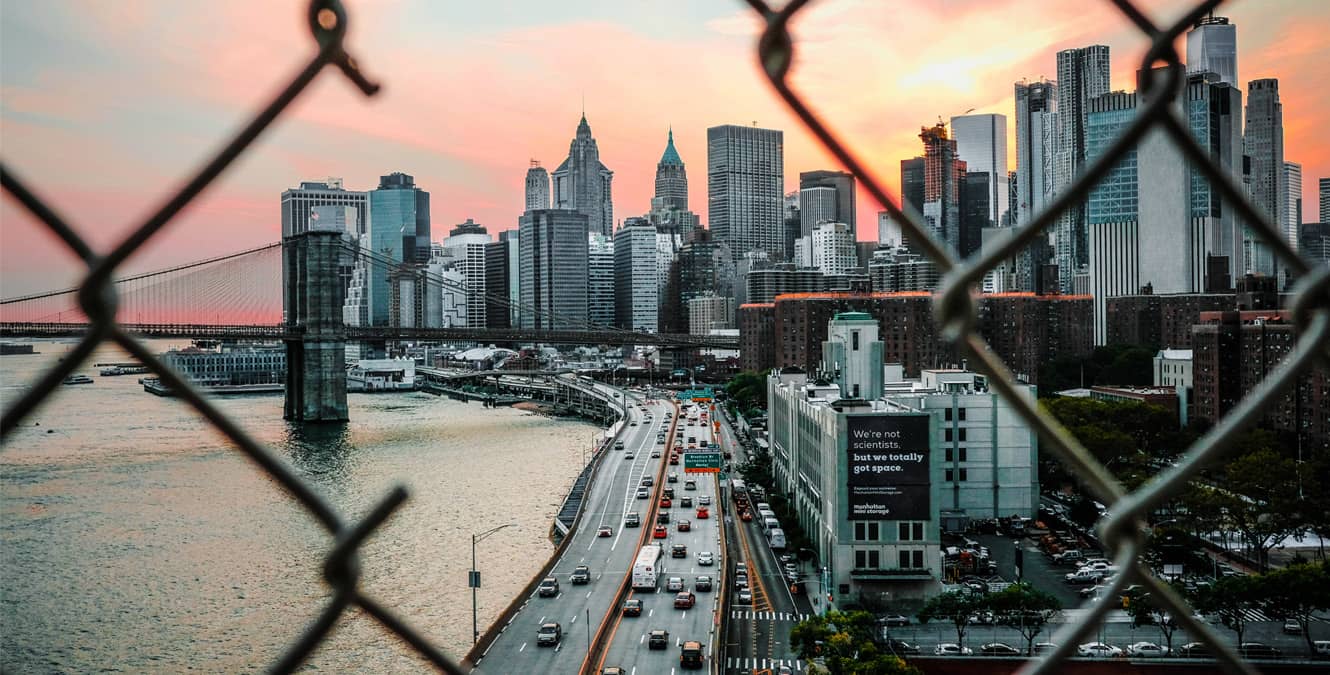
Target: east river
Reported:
point(133, 538)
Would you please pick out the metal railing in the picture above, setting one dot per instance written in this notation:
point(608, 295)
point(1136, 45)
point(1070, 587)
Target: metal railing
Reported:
point(955, 311)
point(1123, 531)
point(97, 299)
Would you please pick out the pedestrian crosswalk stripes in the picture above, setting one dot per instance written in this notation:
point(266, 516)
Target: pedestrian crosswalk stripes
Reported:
point(766, 616)
point(747, 664)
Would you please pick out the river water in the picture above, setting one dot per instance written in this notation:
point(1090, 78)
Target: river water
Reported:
point(134, 539)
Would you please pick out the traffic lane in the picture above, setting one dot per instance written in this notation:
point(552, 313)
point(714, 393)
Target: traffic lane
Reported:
point(768, 567)
point(572, 602)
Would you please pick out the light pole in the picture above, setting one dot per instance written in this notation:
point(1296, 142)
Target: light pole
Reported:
point(473, 579)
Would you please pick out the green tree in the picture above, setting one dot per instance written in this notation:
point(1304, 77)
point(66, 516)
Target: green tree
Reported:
point(956, 607)
point(1146, 610)
point(1261, 500)
point(844, 640)
point(1295, 592)
point(1025, 608)
point(1230, 598)
point(748, 389)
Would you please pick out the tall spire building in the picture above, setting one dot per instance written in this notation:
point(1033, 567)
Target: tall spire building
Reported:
point(537, 187)
point(669, 207)
point(582, 183)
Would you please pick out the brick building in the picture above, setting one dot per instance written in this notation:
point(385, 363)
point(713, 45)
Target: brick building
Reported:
point(1028, 330)
point(757, 336)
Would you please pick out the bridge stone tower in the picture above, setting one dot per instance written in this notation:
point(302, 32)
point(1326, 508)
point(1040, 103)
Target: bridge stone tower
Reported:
point(316, 342)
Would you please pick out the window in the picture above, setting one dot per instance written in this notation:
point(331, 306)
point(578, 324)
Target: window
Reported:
point(962, 477)
point(867, 559)
point(949, 477)
point(866, 532)
point(854, 340)
point(946, 434)
point(911, 531)
point(962, 435)
point(962, 454)
point(947, 416)
point(910, 560)
point(961, 414)
point(948, 455)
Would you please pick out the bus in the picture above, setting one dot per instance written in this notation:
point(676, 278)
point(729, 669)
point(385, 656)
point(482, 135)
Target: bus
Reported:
point(738, 489)
point(646, 567)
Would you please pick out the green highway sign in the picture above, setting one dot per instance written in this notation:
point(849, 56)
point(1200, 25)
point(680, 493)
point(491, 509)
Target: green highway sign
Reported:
point(724, 476)
point(701, 462)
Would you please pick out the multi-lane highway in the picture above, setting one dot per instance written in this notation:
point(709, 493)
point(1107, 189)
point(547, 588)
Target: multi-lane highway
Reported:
point(610, 496)
point(628, 636)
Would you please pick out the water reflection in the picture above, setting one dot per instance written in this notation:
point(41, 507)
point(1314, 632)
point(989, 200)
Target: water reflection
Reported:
point(323, 451)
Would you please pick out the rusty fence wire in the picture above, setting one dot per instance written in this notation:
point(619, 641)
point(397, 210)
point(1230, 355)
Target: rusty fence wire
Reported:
point(1124, 531)
point(97, 299)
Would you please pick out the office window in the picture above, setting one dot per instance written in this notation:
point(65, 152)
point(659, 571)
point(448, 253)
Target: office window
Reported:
point(866, 532)
point(917, 559)
point(963, 476)
point(948, 458)
point(854, 340)
point(962, 454)
point(947, 416)
point(867, 559)
point(948, 477)
point(962, 414)
point(962, 435)
point(911, 531)
point(946, 434)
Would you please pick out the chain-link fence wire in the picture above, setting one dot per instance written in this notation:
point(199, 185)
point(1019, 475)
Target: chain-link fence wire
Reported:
point(1124, 531)
point(98, 299)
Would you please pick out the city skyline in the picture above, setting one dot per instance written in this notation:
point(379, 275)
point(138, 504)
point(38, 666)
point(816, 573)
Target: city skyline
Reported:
point(114, 164)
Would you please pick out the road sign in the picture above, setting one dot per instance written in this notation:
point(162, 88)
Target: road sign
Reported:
point(701, 462)
point(724, 476)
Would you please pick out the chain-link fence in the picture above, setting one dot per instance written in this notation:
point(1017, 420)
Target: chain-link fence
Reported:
point(1123, 531)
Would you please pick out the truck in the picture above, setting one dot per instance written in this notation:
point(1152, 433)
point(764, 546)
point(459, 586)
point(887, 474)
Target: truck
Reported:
point(646, 568)
point(777, 538)
point(690, 654)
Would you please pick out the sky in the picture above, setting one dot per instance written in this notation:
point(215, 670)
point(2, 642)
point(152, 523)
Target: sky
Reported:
point(106, 107)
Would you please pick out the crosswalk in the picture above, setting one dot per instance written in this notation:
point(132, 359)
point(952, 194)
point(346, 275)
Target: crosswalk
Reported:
point(744, 664)
point(766, 616)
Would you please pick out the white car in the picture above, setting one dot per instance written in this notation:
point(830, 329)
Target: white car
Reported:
point(706, 558)
point(674, 585)
point(951, 649)
point(1098, 650)
point(1141, 649)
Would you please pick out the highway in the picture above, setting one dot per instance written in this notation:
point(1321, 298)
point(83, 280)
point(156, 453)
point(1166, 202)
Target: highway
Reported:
point(610, 496)
point(627, 636)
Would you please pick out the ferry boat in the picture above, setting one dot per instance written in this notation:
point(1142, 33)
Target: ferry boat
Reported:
point(122, 370)
point(77, 379)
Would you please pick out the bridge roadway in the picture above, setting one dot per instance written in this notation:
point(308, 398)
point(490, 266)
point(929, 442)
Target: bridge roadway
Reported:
point(480, 335)
point(628, 647)
point(610, 496)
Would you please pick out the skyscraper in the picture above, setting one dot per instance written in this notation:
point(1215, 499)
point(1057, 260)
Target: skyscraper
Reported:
point(582, 182)
point(1292, 202)
point(503, 294)
point(537, 187)
point(1324, 198)
point(672, 178)
point(465, 250)
point(981, 141)
point(399, 229)
point(1263, 142)
point(842, 199)
point(636, 283)
point(600, 279)
point(943, 174)
point(1035, 106)
point(552, 254)
point(912, 195)
point(1212, 47)
point(745, 186)
point(298, 205)
point(1083, 73)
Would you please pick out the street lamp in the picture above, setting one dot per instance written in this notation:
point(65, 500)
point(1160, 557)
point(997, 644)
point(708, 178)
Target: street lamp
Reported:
point(473, 579)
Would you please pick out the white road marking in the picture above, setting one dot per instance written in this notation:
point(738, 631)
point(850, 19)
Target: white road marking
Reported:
point(522, 647)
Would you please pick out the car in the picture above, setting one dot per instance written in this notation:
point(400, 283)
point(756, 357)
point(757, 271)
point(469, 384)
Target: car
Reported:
point(663, 517)
point(549, 634)
point(702, 583)
point(690, 655)
point(685, 526)
point(655, 454)
point(629, 455)
point(1292, 627)
point(674, 585)
point(1321, 649)
point(894, 620)
point(951, 649)
point(703, 513)
point(1092, 591)
point(741, 581)
point(633, 423)
point(745, 515)
point(999, 649)
point(548, 588)
point(791, 568)
point(643, 493)
point(647, 482)
point(581, 575)
point(660, 532)
point(706, 558)
point(613, 670)
point(690, 485)
point(678, 551)
point(605, 532)
point(632, 607)
point(1194, 650)
point(704, 500)
point(666, 502)
point(741, 568)
point(1258, 650)
point(684, 600)
point(674, 460)
point(901, 648)
point(672, 478)
point(632, 519)
point(783, 669)
point(668, 492)
point(1098, 650)
point(686, 502)
point(744, 597)
point(1041, 648)
point(658, 639)
point(1146, 649)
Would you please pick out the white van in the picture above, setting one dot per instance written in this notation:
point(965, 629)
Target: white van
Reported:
point(777, 538)
point(766, 513)
point(770, 524)
point(762, 506)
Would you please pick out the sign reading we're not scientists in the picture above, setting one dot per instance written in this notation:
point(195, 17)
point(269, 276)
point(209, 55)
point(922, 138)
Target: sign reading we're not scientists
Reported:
point(887, 467)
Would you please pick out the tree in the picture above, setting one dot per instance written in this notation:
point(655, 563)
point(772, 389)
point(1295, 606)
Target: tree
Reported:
point(1261, 500)
point(1230, 598)
point(1025, 608)
point(1295, 592)
point(748, 389)
point(956, 607)
point(1146, 610)
point(844, 640)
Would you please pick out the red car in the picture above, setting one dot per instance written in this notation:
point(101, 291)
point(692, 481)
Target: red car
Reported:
point(703, 512)
point(665, 503)
point(746, 516)
point(659, 532)
point(674, 459)
point(605, 532)
point(684, 600)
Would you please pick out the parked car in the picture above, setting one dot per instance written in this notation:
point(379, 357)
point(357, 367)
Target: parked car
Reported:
point(901, 648)
point(703, 583)
point(658, 639)
point(998, 649)
point(894, 620)
point(1258, 650)
point(548, 588)
point(1293, 627)
point(674, 585)
point(1098, 650)
point(1041, 648)
point(549, 634)
point(581, 575)
point(632, 607)
point(951, 649)
point(1146, 649)
point(706, 558)
point(1194, 650)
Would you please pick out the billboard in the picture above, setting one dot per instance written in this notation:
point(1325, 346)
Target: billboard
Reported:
point(887, 467)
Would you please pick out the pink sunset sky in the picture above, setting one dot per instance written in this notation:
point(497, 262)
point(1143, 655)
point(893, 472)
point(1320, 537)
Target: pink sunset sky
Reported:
point(105, 107)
